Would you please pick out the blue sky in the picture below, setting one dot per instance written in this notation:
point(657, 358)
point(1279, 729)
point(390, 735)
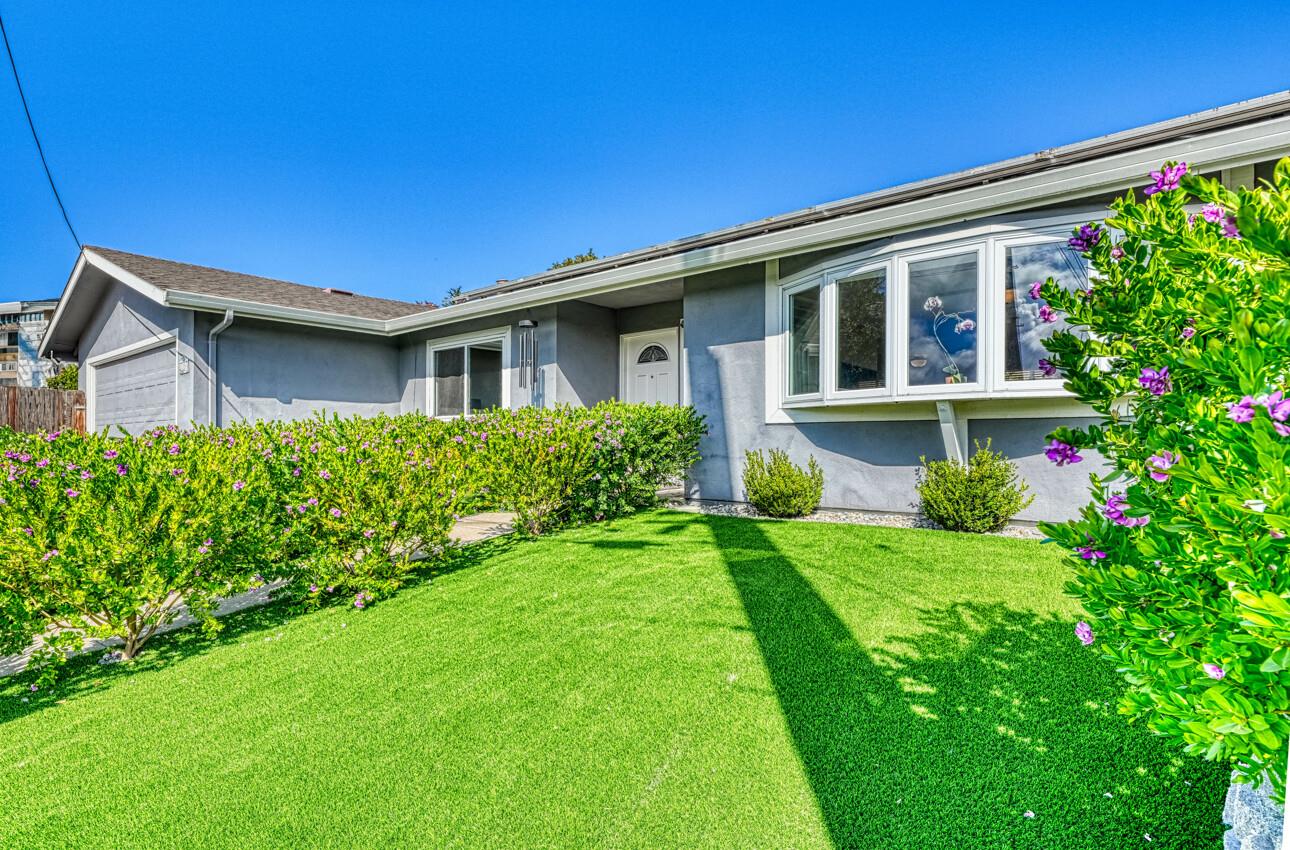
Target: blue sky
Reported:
point(400, 149)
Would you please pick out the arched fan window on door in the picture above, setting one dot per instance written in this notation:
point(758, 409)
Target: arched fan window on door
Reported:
point(652, 354)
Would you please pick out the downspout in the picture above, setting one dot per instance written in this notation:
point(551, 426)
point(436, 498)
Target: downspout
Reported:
point(211, 413)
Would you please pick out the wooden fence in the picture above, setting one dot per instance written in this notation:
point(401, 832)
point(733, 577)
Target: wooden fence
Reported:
point(43, 409)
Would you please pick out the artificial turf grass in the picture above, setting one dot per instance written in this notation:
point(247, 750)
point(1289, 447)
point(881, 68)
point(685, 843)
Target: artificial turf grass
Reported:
point(667, 680)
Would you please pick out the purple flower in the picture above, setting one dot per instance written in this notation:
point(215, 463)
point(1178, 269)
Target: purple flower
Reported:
point(238, 485)
point(176, 472)
point(311, 500)
point(1086, 238)
point(1062, 453)
point(122, 469)
point(1158, 465)
point(1117, 253)
point(174, 449)
point(1213, 213)
point(1156, 382)
point(42, 463)
point(368, 533)
point(1241, 411)
point(52, 553)
point(1115, 508)
point(1188, 332)
point(72, 494)
point(1229, 228)
point(1166, 179)
point(324, 475)
point(1046, 367)
point(1034, 290)
point(335, 512)
point(86, 475)
point(1047, 314)
point(1084, 632)
point(29, 531)
point(459, 439)
point(1283, 430)
point(313, 588)
point(1213, 671)
point(1278, 406)
point(296, 472)
point(1090, 552)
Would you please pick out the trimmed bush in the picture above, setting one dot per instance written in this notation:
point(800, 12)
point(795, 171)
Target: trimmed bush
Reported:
point(67, 378)
point(979, 496)
point(109, 535)
point(779, 488)
point(1183, 348)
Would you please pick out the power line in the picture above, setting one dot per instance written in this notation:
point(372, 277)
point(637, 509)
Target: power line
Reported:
point(35, 137)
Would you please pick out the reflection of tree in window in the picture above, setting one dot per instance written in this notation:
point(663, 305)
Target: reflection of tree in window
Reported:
point(1026, 331)
point(652, 354)
point(862, 331)
point(942, 320)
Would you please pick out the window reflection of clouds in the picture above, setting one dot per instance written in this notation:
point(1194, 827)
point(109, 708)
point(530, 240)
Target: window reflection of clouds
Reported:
point(935, 349)
point(1026, 331)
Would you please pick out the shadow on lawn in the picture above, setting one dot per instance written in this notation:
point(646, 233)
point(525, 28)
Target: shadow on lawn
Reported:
point(946, 738)
point(84, 675)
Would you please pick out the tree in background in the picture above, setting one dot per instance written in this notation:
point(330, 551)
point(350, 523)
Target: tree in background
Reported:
point(575, 260)
point(67, 378)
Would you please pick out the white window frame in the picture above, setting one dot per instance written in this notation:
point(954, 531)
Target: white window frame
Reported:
point(502, 335)
point(786, 366)
point(903, 261)
point(830, 337)
point(897, 400)
point(998, 312)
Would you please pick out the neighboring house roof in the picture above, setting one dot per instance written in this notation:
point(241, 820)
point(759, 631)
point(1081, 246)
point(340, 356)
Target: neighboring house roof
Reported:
point(204, 280)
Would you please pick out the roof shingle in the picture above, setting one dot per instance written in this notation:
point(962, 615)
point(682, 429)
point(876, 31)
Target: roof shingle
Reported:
point(203, 280)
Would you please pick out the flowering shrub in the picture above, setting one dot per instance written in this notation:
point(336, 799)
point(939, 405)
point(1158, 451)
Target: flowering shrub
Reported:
point(108, 536)
point(1183, 349)
point(567, 464)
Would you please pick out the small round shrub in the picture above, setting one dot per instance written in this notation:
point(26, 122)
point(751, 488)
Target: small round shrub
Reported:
point(779, 488)
point(979, 496)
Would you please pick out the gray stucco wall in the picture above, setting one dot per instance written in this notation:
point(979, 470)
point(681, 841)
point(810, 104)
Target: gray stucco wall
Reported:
point(281, 371)
point(586, 342)
point(867, 465)
point(124, 317)
point(650, 317)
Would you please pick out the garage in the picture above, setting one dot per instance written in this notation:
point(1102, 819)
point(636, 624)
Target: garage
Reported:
point(134, 391)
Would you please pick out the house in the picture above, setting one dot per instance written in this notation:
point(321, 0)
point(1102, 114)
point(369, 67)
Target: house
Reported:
point(869, 332)
point(22, 329)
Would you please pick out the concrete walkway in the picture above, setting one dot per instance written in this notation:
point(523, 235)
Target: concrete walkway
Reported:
point(470, 529)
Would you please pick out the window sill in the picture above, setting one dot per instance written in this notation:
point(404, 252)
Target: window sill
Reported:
point(1026, 403)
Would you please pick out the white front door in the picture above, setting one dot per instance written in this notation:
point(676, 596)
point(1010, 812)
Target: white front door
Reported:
point(650, 367)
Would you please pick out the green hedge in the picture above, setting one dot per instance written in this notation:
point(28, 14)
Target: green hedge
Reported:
point(107, 535)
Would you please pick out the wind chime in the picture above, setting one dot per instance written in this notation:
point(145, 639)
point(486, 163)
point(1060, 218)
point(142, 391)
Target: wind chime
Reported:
point(528, 353)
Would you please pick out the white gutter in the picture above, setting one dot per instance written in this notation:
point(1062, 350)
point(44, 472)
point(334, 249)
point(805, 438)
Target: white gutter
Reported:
point(211, 370)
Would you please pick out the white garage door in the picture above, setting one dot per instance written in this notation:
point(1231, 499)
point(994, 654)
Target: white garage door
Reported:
point(136, 392)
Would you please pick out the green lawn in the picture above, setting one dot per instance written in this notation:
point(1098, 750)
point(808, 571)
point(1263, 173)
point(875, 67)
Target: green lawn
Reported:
point(670, 680)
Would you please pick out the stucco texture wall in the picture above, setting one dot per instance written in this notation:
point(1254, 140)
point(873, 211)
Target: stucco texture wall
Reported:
point(280, 371)
point(868, 465)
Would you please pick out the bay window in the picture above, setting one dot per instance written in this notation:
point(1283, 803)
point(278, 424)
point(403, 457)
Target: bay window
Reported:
point(936, 317)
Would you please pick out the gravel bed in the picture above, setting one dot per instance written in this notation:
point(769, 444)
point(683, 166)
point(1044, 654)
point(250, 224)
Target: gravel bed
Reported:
point(887, 519)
